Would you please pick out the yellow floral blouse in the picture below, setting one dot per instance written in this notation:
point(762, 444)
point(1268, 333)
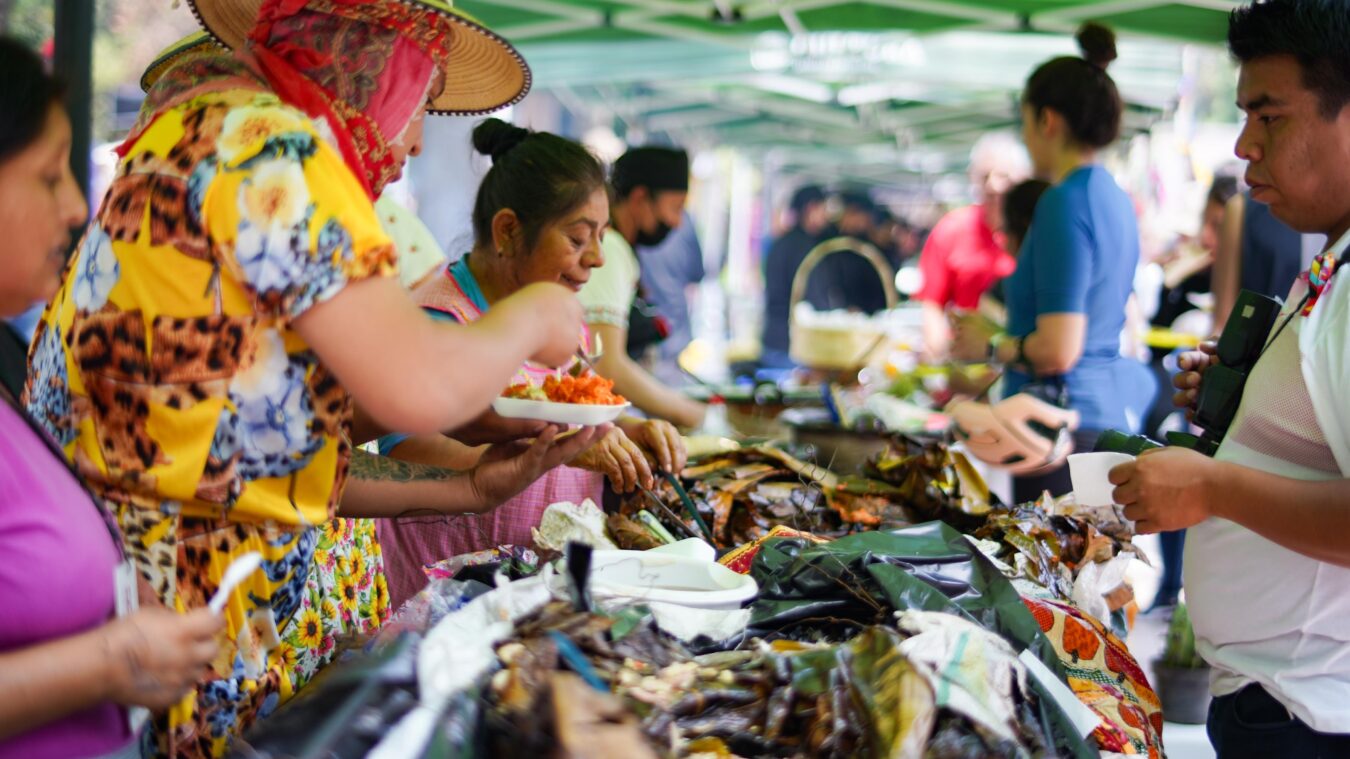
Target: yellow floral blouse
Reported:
point(168, 369)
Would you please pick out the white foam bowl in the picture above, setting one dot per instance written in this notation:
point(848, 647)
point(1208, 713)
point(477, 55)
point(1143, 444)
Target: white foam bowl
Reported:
point(666, 578)
point(586, 415)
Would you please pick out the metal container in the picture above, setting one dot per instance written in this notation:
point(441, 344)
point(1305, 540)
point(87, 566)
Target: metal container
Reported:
point(840, 450)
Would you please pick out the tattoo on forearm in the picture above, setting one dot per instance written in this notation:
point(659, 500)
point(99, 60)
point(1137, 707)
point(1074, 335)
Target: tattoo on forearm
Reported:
point(366, 466)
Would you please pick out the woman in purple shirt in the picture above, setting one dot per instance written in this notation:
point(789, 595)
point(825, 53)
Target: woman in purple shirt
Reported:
point(69, 665)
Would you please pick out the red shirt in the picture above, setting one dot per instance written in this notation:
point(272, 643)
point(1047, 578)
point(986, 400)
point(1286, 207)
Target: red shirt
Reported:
point(962, 260)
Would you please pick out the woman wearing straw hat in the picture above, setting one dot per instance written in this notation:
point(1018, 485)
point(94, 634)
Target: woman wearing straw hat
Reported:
point(232, 298)
point(419, 255)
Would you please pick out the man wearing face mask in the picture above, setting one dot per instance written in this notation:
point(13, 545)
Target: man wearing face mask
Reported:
point(650, 187)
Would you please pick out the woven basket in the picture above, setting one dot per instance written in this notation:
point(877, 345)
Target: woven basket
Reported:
point(838, 348)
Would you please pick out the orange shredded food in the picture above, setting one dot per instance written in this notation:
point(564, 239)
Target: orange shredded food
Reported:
point(590, 389)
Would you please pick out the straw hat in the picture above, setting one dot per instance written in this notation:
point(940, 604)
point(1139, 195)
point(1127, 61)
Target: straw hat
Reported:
point(197, 42)
point(484, 72)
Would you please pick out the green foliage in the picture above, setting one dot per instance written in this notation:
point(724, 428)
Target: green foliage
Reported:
point(1180, 649)
point(127, 35)
point(904, 386)
point(30, 21)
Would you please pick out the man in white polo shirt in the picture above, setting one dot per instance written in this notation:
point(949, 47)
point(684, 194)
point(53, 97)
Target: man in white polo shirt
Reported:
point(1268, 557)
point(651, 185)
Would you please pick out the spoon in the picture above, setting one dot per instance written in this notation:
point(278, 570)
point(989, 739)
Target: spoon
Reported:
point(238, 571)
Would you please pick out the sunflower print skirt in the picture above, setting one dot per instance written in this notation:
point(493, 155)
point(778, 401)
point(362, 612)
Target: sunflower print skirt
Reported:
point(342, 597)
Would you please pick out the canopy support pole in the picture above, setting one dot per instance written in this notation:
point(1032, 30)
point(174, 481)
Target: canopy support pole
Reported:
point(74, 62)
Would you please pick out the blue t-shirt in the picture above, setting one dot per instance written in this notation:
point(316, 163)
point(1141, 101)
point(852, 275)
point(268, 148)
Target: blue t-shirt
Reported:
point(1079, 258)
point(666, 270)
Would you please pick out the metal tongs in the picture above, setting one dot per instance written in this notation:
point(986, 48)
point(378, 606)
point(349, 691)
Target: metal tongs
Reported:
point(689, 506)
point(685, 501)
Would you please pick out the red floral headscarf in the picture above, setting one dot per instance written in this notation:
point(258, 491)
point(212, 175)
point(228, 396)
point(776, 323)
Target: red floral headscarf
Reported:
point(363, 68)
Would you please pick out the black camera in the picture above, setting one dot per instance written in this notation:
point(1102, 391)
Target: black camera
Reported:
point(1241, 344)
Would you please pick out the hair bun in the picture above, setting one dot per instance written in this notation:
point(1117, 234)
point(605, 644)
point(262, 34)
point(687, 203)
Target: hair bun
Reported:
point(496, 138)
point(1098, 44)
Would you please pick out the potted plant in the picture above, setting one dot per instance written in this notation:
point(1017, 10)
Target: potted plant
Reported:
point(1181, 676)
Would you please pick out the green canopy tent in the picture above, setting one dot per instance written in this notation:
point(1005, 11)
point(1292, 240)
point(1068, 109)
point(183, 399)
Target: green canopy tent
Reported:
point(877, 91)
point(724, 21)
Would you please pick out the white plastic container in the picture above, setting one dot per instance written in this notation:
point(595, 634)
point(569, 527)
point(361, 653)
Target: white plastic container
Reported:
point(1089, 474)
point(671, 579)
point(689, 548)
point(715, 418)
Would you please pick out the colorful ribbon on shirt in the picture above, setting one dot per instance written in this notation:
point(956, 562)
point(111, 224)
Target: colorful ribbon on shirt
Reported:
point(1318, 277)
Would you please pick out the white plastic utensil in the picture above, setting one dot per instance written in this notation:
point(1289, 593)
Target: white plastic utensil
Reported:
point(237, 572)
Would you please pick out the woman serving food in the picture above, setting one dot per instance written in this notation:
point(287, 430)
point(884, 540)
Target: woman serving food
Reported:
point(538, 218)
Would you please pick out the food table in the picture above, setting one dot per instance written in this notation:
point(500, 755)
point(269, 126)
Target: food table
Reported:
point(837, 581)
point(896, 610)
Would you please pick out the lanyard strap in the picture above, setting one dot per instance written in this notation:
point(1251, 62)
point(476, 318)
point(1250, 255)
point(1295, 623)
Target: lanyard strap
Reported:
point(1308, 297)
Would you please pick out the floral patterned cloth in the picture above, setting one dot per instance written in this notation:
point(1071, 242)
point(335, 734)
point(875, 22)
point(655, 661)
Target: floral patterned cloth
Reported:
point(360, 69)
point(1105, 676)
point(168, 369)
point(363, 67)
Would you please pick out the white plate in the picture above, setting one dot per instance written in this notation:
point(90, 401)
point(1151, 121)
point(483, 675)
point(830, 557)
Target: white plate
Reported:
point(587, 415)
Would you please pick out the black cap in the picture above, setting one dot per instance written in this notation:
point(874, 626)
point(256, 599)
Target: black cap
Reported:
point(651, 167)
point(805, 196)
point(858, 200)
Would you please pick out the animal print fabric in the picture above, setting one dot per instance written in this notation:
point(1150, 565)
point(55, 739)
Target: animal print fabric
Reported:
point(168, 369)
